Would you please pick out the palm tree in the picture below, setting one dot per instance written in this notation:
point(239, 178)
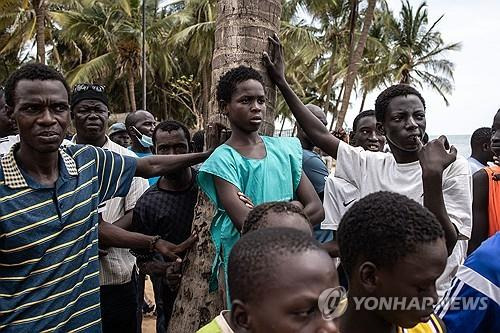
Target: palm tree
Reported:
point(25, 20)
point(110, 31)
point(241, 35)
point(377, 59)
point(419, 51)
point(355, 62)
point(195, 34)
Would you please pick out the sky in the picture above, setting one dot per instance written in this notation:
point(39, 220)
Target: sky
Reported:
point(476, 96)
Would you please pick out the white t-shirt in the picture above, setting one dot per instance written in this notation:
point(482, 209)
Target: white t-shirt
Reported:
point(474, 165)
point(371, 172)
point(340, 195)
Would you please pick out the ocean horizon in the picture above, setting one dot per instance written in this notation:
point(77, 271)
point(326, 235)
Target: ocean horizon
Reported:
point(461, 142)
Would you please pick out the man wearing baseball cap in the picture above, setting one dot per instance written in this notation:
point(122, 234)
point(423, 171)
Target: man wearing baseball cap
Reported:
point(118, 134)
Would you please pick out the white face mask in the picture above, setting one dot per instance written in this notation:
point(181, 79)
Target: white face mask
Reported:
point(144, 140)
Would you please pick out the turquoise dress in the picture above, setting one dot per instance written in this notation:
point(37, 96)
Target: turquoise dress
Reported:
point(272, 178)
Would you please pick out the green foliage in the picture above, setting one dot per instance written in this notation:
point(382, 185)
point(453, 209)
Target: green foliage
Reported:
point(100, 41)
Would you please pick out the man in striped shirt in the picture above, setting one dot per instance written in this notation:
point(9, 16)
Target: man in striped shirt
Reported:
point(48, 209)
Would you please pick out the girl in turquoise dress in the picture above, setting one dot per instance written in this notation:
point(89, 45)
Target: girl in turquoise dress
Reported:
point(262, 168)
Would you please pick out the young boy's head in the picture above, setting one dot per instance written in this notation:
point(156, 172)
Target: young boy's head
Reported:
point(391, 246)
point(400, 113)
point(277, 215)
point(364, 132)
point(495, 135)
point(241, 97)
point(275, 277)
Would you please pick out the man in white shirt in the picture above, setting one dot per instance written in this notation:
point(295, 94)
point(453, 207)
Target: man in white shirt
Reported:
point(340, 194)
point(481, 153)
point(432, 175)
point(89, 111)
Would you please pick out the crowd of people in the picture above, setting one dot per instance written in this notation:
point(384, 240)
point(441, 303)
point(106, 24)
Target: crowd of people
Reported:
point(401, 237)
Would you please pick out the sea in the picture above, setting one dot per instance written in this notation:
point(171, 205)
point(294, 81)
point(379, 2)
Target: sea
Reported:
point(461, 142)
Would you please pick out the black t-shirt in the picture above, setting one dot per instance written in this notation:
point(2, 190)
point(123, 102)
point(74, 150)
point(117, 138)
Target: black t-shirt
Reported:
point(168, 214)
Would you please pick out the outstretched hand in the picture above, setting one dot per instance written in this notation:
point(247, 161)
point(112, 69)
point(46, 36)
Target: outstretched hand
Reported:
point(170, 251)
point(276, 64)
point(436, 155)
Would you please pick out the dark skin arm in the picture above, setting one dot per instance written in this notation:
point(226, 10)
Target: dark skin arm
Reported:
point(308, 197)
point(480, 220)
point(158, 165)
point(312, 126)
point(125, 222)
point(238, 210)
point(113, 236)
point(434, 159)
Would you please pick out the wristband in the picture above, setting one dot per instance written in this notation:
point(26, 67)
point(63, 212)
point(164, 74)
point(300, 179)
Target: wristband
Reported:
point(153, 242)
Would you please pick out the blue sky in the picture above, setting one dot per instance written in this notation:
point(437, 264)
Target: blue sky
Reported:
point(476, 97)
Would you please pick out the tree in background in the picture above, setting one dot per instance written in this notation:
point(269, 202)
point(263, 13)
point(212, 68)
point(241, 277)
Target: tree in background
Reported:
point(355, 60)
point(419, 51)
point(241, 36)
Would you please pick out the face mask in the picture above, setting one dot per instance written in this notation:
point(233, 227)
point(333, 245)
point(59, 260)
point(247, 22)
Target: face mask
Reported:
point(144, 140)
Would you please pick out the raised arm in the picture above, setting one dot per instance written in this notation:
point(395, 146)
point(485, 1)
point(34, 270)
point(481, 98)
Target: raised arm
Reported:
point(310, 200)
point(479, 210)
point(434, 159)
point(314, 128)
point(158, 165)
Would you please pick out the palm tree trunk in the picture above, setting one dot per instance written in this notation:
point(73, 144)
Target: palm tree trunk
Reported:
point(205, 81)
point(125, 98)
point(164, 104)
point(352, 70)
point(241, 32)
point(336, 107)
point(40, 7)
point(330, 82)
point(131, 92)
point(363, 100)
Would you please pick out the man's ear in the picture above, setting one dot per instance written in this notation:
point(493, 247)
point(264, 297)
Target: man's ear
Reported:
point(486, 147)
point(380, 128)
point(368, 276)
point(240, 318)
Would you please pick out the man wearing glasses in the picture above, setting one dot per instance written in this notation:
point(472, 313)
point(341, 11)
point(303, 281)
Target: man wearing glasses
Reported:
point(49, 197)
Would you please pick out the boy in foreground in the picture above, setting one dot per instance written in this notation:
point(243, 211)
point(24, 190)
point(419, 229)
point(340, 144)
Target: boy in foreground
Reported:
point(393, 250)
point(275, 278)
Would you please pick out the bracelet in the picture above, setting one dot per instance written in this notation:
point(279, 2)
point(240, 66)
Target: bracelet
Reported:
point(153, 242)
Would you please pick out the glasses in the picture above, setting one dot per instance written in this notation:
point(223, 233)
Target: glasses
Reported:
point(89, 86)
